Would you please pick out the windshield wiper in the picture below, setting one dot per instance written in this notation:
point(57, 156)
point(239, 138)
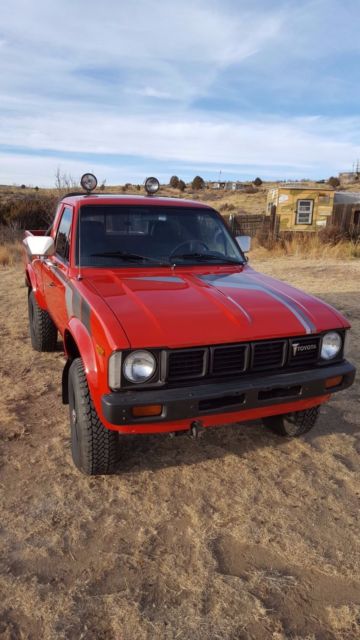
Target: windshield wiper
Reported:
point(205, 257)
point(134, 257)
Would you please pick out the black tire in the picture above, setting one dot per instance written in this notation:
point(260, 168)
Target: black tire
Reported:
point(43, 332)
point(293, 425)
point(94, 447)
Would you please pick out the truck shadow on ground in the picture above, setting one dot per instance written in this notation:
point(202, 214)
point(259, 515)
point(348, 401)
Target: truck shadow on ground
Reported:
point(155, 452)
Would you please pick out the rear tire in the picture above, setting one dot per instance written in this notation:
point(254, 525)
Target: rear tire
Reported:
point(43, 332)
point(94, 447)
point(293, 425)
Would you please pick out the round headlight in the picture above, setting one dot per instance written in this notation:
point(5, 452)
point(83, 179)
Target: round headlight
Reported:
point(139, 366)
point(88, 182)
point(331, 345)
point(152, 185)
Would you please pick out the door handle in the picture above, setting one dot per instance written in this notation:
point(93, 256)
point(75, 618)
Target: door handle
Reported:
point(51, 284)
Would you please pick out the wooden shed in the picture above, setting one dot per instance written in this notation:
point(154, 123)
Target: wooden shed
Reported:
point(301, 207)
point(346, 212)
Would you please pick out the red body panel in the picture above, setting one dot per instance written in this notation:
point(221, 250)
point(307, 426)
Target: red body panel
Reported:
point(200, 305)
point(107, 309)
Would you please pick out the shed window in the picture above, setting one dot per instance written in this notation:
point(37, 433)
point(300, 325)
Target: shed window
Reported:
point(304, 211)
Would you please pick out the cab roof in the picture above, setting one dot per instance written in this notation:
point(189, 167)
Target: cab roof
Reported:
point(113, 198)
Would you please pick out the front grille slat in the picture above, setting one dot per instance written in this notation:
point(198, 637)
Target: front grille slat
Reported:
point(229, 359)
point(268, 354)
point(186, 364)
point(237, 359)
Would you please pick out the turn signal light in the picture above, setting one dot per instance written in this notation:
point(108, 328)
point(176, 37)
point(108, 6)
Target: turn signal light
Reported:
point(333, 382)
point(147, 410)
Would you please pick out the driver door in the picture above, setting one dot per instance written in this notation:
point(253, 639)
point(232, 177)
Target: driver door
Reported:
point(56, 271)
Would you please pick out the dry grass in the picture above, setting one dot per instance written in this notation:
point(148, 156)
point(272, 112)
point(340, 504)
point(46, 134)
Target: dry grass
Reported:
point(238, 536)
point(311, 246)
point(10, 254)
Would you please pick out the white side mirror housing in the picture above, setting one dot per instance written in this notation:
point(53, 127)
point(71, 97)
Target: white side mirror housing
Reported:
point(244, 243)
point(41, 246)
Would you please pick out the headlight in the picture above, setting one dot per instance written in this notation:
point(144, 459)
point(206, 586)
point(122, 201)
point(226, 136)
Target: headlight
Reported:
point(139, 366)
point(331, 345)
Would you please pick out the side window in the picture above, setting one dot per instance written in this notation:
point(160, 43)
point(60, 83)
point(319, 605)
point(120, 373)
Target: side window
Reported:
point(63, 234)
point(304, 211)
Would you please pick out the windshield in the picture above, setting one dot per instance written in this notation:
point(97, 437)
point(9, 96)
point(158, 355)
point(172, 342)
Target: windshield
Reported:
point(115, 235)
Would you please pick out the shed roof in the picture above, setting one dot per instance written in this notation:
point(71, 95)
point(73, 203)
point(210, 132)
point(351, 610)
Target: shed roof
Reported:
point(301, 186)
point(347, 197)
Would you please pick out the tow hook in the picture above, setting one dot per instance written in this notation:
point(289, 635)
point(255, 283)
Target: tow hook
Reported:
point(194, 432)
point(195, 429)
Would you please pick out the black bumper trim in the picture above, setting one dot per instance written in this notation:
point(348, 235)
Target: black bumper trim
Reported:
point(228, 396)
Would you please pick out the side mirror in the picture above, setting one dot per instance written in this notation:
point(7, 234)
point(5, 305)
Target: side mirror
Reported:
point(244, 243)
point(41, 246)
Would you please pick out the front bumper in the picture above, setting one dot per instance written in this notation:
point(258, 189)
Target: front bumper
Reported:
point(230, 396)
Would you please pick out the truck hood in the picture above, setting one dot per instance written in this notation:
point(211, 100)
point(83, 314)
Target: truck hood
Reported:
point(188, 308)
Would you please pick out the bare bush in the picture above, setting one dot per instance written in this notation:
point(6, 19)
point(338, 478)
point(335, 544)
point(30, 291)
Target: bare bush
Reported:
point(334, 182)
point(198, 183)
point(227, 206)
point(65, 181)
point(174, 182)
point(31, 211)
point(250, 188)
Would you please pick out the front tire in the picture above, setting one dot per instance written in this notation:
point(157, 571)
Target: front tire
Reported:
point(293, 425)
point(43, 332)
point(94, 448)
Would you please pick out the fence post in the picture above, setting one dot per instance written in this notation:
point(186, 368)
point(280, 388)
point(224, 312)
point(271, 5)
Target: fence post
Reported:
point(272, 221)
point(232, 223)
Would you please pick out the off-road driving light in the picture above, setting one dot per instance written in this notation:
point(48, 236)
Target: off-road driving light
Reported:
point(139, 366)
point(88, 182)
point(152, 185)
point(331, 345)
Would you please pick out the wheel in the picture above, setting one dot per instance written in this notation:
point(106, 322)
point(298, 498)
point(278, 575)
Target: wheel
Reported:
point(292, 425)
point(43, 332)
point(94, 448)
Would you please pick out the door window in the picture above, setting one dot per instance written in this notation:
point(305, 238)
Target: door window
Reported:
point(62, 243)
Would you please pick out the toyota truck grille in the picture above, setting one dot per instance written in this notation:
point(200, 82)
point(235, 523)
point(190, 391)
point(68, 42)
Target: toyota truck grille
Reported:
point(234, 359)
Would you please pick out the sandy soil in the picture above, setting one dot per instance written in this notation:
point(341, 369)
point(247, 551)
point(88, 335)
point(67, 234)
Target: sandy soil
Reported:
point(240, 535)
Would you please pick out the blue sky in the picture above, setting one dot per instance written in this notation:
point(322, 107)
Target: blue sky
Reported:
point(129, 89)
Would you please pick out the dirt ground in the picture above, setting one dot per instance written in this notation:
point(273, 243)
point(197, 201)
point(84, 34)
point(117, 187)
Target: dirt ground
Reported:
point(240, 535)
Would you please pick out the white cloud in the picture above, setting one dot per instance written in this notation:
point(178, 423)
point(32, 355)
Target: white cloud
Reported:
point(38, 171)
point(182, 49)
point(312, 146)
point(151, 92)
point(122, 78)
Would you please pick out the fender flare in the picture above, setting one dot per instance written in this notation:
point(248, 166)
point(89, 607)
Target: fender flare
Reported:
point(32, 284)
point(78, 343)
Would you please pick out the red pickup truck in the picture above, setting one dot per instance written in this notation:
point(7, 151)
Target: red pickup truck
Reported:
point(166, 327)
